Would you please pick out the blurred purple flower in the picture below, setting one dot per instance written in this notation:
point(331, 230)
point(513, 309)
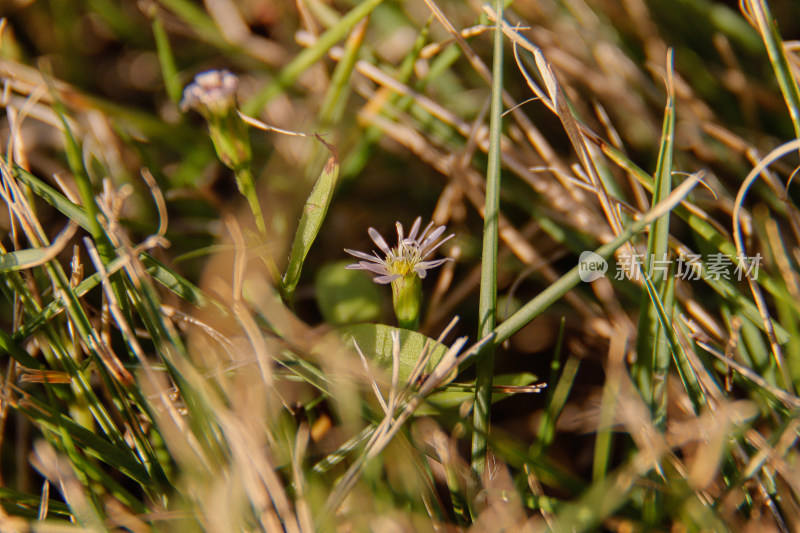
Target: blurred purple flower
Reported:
point(213, 91)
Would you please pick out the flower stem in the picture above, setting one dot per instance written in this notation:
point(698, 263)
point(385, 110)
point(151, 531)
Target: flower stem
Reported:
point(247, 186)
point(407, 300)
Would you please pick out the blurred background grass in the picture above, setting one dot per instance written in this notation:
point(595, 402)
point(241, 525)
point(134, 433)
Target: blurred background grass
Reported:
point(406, 112)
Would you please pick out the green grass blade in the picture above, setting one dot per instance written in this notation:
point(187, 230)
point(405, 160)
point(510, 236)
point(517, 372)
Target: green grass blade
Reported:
point(166, 59)
point(198, 20)
point(110, 453)
point(333, 104)
point(652, 348)
point(86, 190)
point(707, 233)
point(555, 404)
point(777, 56)
point(608, 405)
point(17, 352)
point(487, 306)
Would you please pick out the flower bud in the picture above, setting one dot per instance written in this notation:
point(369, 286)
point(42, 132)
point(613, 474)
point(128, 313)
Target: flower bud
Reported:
point(213, 95)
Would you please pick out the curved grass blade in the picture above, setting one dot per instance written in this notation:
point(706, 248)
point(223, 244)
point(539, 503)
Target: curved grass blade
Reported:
point(32, 257)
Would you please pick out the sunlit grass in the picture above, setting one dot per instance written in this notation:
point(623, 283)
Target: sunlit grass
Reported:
point(183, 357)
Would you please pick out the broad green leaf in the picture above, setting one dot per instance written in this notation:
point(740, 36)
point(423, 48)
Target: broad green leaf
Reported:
point(346, 296)
point(375, 341)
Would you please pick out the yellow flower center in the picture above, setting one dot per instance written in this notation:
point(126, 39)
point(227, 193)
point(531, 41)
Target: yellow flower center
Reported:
point(402, 260)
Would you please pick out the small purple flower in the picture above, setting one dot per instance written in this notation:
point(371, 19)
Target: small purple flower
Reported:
point(406, 258)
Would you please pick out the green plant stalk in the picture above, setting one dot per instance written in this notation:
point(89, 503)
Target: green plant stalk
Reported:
point(333, 104)
point(199, 21)
point(247, 186)
point(335, 100)
point(557, 368)
point(661, 358)
point(603, 438)
point(407, 300)
point(556, 401)
point(487, 307)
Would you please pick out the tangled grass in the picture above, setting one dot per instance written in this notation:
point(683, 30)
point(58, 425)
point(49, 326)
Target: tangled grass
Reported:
point(184, 349)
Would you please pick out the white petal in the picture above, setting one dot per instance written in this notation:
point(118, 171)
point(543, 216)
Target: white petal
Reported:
point(372, 267)
point(426, 253)
point(412, 235)
point(399, 227)
point(379, 240)
point(362, 255)
point(425, 231)
point(384, 280)
point(421, 269)
point(426, 265)
point(435, 235)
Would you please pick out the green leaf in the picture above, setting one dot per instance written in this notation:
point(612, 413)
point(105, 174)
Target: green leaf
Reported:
point(375, 342)
point(313, 215)
point(346, 296)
